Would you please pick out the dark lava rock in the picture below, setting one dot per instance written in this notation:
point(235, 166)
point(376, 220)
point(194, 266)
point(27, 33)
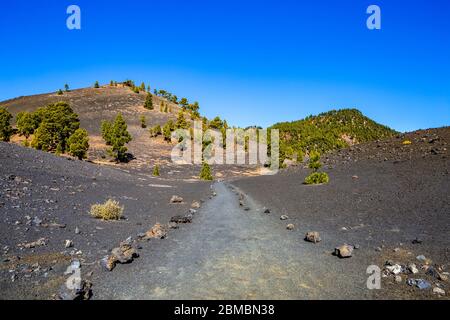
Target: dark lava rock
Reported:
point(181, 219)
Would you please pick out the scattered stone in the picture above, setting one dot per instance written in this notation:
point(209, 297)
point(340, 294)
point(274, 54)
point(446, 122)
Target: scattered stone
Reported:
point(125, 253)
point(214, 194)
point(37, 222)
point(77, 231)
point(419, 283)
point(156, 232)
point(398, 278)
point(438, 291)
point(355, 177)
point(394, 269)
point(379, 249)
point(53, 225)
point(172, 225)
point(181, 219)
point(38, 243)
point(313, 236)
point(284, 217)
point(412, 268)
point(266, 210)
point(423, 259)
point(432, 271)
point(78, 289)
point(247, 208)
point(195, 205)
point(290, 226)
point(192, 211)
point(396, 250)
point(344, 251)
point(68, 244)
point(417, 241)
point(176, 199)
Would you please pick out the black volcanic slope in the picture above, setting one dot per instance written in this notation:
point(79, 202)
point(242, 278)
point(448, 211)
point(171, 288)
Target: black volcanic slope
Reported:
point(57, 190)
point(381, 196)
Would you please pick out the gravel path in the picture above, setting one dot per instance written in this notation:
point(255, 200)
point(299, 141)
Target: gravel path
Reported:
point(231, 253)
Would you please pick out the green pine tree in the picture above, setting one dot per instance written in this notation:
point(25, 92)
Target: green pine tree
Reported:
point(5, 125)
point(205, 173)
point(156, 170)
point(78, 144)
point(149, 101)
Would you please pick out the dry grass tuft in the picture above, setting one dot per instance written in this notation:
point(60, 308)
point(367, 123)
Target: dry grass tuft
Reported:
point(110, 210)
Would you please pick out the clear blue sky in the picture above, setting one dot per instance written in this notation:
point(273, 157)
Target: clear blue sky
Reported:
point(252, 62)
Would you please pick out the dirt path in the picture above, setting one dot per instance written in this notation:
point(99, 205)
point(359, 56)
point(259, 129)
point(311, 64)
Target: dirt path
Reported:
point(231, 253)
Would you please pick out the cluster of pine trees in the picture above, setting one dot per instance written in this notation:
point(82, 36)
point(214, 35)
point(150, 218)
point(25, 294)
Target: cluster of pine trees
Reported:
point(326, 132)
point(55, 128)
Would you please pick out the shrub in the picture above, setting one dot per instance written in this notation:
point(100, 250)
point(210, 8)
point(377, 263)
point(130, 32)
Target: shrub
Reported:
point(142, 86)
point(149, 101)
point(314, 161)
point(167, 132)
point(110, 210)
point(156, 170)
point(155, 131)
point(143, 122)
point(317, 178)
point(78, 144)
point(406, 142)
point(205, 173)
point(136, 89)
point(5, 125)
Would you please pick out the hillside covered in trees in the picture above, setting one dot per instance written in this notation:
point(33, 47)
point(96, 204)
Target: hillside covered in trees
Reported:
point(328, 131)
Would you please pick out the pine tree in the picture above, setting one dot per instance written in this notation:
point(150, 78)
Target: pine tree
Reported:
point(143, 122)
point(181, 121)
point(106, 132)
point(142, 86)
point(167, 132)
point(78, 144)
point(66, 87)
point(119, 137)
point(60, 92)
point(156, 170)
point(26, 123)
point(205, 173)
point(5, 125)
point(96, 85)
point(149, 101)
point(57, 122)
